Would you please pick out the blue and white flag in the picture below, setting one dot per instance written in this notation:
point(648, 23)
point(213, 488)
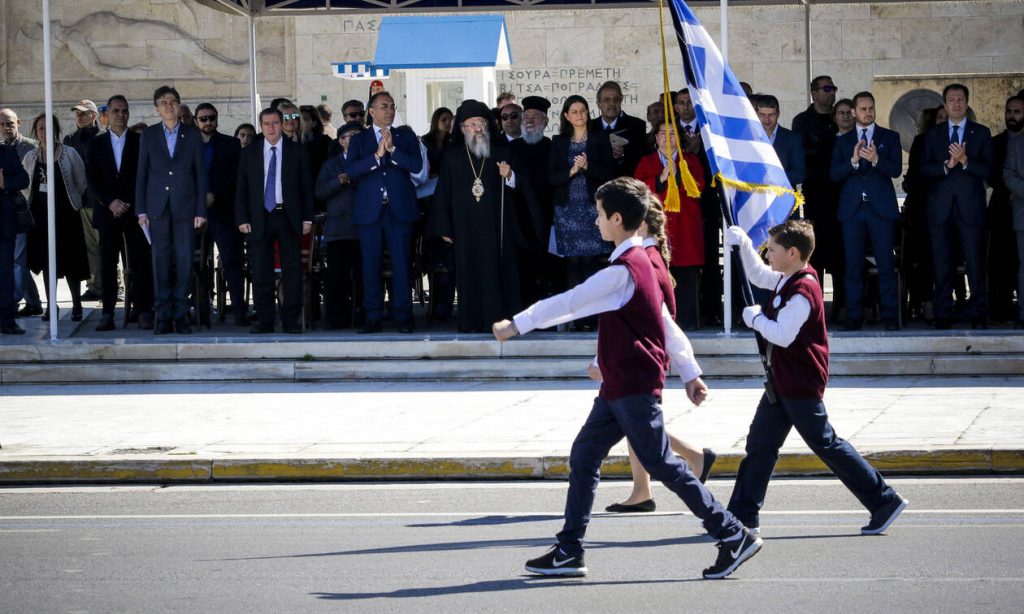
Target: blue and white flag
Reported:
point(741, 157)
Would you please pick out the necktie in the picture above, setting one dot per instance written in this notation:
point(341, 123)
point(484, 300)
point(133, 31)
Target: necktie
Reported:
point(864, 134)
point(270, 190)
point(956, 136)
point(689, 129)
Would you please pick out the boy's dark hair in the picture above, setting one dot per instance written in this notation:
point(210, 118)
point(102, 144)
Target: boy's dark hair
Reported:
point(795, 233)
point(626, 196)
point(164, 90)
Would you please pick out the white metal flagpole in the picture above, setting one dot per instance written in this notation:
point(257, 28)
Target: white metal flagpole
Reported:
point(726, 256)
point(51, 223)
point(253, 110)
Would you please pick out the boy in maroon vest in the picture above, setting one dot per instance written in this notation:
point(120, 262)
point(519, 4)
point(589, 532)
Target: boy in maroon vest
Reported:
point(634, 334)
point(793, 325)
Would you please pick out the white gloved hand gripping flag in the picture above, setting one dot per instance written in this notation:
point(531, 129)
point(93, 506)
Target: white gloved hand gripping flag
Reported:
point(742, 159)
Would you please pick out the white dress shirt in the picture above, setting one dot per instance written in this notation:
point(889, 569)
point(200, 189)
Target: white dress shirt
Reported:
point(117, 143)
point(279, 194)
point(608, 290)
point(781, 331)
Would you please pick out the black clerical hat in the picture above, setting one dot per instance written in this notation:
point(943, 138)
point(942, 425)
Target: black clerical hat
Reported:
point(536, 102)
point(472, 108)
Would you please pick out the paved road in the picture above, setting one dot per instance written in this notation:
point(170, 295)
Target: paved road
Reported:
point(460, 547)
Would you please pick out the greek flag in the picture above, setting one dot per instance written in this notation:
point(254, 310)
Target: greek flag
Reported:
point(741, 157)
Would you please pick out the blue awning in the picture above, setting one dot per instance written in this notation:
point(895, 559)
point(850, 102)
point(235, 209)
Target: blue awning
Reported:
point(456, 41)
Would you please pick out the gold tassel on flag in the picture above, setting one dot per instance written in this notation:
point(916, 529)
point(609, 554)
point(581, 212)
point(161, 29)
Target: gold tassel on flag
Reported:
point(689, 184)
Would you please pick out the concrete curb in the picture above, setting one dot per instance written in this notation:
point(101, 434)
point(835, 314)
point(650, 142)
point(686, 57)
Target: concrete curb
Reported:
point(174, 469)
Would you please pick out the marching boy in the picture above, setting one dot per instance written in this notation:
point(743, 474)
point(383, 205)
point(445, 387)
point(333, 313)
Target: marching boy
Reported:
point(634, 334)
point(793, 326)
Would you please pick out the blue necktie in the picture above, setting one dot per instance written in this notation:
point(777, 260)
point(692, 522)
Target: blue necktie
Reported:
point(270, 191)
point(956, 136)
point(864, 135)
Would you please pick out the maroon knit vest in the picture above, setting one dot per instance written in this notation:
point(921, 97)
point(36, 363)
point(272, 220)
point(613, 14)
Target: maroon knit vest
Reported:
point(800, 371)
point(631, 340)
point(664, 281)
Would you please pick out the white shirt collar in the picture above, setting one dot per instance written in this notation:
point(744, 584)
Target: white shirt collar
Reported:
point(622, 247)
point(117, 139)
point(860, 129)
point(650, 242)
point(267, 145)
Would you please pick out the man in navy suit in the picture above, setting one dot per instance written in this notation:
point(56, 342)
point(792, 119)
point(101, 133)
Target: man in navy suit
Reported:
point(220, 158)
point(787, 144)
point(381, 161)
point(864, 163)
point(956, 161)
point(111, 168)
point(274, 203)
point(170, 200)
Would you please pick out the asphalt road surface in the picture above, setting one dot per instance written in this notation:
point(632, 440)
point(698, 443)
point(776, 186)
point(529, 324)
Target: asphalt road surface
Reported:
point(460, 547)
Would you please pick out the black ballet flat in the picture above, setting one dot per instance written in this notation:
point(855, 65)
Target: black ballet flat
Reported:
point(643, 506)
point(709, 459)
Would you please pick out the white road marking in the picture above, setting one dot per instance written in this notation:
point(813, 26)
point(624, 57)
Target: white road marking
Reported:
point(967, 512)
point(499, 485)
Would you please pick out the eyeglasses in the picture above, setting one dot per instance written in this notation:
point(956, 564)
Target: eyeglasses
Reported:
point(355, 114)
point(507, 116)
point(288, 116)
point(828, 89)
point(386, 107)
point(206, 118)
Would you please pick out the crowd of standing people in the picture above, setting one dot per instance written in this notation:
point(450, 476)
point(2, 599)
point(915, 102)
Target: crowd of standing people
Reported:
point(495, 213)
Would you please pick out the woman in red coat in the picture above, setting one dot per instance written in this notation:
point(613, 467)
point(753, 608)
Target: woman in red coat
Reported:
point(685, 227)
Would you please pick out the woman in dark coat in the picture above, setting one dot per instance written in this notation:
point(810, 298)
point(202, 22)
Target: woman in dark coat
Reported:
point(68, 185)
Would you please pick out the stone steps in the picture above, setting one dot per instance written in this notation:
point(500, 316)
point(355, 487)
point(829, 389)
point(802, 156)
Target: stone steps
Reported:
point(469, 357)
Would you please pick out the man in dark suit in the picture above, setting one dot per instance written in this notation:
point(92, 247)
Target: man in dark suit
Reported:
point(220, 159)
point(170, 200)
point(112, 167)
point(955, 162)
point(618, 124)
point(1003, 259)
point(864, 162)
point(13, 178)
point(787, 144)
point(274, 202)
point(381, 161)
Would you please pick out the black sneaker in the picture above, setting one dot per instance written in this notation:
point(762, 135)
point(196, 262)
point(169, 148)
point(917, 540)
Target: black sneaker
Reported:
point(885, 516)
point(732, 554)
point(554, 562)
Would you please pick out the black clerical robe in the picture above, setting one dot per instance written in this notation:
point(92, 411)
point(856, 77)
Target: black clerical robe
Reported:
point(486, 247)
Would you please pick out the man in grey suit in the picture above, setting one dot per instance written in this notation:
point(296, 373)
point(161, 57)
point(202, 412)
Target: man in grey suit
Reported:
point(1013, 176)
point(170, 200)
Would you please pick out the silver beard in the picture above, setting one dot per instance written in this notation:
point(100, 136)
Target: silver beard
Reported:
point(479, 145)
point(532, 137)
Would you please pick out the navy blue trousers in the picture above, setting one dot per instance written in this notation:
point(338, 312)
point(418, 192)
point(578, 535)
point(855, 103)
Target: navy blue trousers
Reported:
point(863, 226)
point(639, 419)
point(397, 236)
point(768, 431)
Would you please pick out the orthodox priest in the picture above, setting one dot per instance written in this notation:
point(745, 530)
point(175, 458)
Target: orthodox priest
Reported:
point(475, 203)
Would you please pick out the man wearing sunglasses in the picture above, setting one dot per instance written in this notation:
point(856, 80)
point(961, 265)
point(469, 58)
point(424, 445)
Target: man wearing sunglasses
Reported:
point(512, 121)
point(817, 128)
point(220, 157)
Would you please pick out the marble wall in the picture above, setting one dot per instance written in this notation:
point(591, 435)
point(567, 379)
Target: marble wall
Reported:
point(132, 46)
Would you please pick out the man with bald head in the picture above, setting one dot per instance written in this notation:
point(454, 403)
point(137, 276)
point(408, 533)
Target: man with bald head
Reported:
point(24, 284)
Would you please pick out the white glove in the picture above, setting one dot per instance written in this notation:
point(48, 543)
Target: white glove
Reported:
point(749, 313)
point(734, 235)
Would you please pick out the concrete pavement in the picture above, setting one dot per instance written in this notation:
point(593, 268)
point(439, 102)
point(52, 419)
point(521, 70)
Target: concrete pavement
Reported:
point(203, 432)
